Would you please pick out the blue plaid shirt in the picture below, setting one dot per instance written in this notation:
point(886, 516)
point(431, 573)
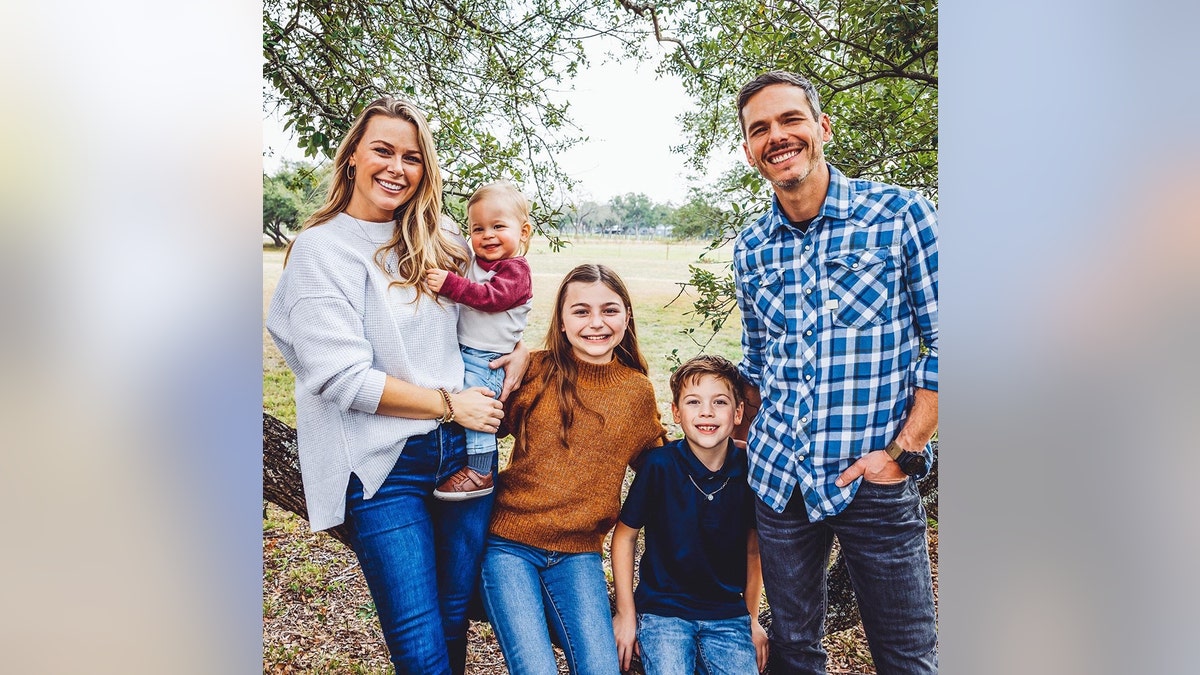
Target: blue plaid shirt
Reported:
point(833, 320)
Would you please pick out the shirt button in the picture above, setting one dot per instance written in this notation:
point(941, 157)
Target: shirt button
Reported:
point(808, 291)
point(854, 266)
point(807, 248)
point(808, 332)
point(808, 377)
point(804, 420)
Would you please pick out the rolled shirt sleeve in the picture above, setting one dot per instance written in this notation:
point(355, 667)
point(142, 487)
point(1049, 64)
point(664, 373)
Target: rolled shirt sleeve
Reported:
point(921, 277)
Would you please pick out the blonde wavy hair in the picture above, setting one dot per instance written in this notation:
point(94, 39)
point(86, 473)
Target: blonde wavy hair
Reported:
point(419, 241)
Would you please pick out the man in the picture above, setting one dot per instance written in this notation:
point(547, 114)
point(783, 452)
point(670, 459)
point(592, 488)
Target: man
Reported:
point(837, 285)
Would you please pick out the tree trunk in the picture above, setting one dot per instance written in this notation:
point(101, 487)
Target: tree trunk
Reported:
point(283, 488)
point(274, 231)
point(281, 473)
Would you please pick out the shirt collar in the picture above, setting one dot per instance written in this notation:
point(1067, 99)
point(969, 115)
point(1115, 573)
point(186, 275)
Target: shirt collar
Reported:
point(835, 207)
point(694, 466)
point(486, 265)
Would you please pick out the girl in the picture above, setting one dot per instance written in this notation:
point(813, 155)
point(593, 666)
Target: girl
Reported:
point(377, 368)
point(587, 411)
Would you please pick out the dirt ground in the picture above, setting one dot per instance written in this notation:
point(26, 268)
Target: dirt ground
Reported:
point(318, 616)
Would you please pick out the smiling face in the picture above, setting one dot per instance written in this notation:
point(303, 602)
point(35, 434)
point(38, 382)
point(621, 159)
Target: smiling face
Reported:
point(594, 320)
point(497, 232)
point(388, 168)
point(708, 411)
point(783, 137)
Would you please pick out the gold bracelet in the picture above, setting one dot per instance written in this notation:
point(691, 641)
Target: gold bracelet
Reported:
point(448, 416)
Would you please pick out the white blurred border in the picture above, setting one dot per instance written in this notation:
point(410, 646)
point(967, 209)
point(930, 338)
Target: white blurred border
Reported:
point(131, 273)
point(1070, 320)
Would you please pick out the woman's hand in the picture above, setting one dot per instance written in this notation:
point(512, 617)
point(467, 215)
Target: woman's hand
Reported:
point(515, 364)
point(477, 410)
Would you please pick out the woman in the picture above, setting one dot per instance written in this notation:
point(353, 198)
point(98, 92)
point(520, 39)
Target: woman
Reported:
point(377, 364)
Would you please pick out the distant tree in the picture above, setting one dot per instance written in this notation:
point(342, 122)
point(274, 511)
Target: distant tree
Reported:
point(290, 196)
point(633, 210)
point(583, 217)
point(696, 219)
point(281, 210)
point(637, 212)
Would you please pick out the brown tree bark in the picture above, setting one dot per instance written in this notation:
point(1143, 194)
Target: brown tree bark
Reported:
point(281, 473)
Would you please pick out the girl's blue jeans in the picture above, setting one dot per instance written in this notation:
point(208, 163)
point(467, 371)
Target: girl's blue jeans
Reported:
point(421, 556)
point(528, 592)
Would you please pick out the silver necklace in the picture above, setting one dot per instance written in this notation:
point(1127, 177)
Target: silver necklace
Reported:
point(389, 264)
point(708, 495)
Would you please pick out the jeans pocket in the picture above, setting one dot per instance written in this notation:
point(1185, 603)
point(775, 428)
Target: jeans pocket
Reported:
point(885, 489)
point(862, 283)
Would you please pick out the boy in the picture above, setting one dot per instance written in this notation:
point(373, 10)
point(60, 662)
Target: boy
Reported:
point(496, 298)
point(700, 576)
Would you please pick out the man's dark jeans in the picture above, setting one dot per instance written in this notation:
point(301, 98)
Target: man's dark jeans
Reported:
point(882, 536)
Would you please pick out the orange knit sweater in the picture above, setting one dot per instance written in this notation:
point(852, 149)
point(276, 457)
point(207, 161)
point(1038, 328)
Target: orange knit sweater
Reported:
point(566, 499)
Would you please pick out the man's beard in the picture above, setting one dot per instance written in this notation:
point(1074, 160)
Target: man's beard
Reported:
point(793, 183)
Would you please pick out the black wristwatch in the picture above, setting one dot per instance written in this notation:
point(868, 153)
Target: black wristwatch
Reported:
point(911, 463)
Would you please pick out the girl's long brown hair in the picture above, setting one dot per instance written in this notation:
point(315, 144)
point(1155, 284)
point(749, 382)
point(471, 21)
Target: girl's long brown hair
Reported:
point(419, 241)
point(562, 372)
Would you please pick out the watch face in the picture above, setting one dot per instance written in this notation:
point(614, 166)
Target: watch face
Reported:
point(911, 463)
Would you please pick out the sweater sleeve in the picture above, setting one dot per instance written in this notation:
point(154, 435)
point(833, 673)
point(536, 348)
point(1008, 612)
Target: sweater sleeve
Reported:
point(655, 434)
point(319, 330)
point(510, 286)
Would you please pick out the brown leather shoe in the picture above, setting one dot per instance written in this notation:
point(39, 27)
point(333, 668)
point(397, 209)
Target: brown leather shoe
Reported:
point(466, 483)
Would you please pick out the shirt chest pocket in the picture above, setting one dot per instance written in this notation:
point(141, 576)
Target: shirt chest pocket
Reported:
point(767, 294)
point(863, 284)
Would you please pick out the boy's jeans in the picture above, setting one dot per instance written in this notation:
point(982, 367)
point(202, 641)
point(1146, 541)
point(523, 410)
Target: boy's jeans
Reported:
point(716, 646)
point(882, 535)
point(478, 374)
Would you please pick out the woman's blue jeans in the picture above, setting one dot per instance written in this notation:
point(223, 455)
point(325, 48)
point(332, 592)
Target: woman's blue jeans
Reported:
point(528, 592)
point(882, 535)
point(421, 556)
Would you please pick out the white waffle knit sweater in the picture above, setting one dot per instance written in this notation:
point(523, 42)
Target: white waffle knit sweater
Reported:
point(342, 331)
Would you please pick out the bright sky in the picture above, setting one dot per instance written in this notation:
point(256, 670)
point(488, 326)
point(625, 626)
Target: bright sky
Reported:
point(629, 115)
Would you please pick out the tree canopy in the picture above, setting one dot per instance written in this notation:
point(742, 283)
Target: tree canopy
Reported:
point(487, 73)
point(484, 71)
point(874, 63)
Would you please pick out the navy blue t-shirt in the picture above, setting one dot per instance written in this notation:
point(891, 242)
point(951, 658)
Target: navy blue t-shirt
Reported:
point(694, 566)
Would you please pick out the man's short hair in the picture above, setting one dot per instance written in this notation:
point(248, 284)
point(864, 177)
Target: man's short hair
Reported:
point(706, 364)
point(777, 77)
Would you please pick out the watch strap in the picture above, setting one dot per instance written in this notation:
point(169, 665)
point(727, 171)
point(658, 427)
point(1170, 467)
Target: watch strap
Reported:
point(894, 450)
